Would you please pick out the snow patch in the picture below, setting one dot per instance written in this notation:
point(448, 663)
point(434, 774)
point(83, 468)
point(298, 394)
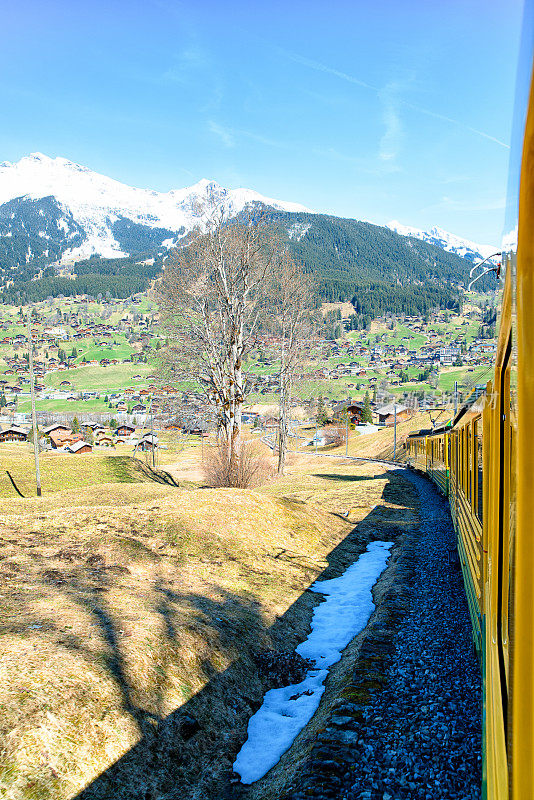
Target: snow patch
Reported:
point(285, 712)
point(298, 230)
point(368, 428)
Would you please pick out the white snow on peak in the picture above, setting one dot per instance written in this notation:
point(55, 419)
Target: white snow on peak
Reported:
point(285, 712)
point(97, 201)
point(445, 240)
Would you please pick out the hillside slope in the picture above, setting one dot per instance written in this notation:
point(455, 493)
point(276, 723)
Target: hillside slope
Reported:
point(373, 267)
point(131, 626)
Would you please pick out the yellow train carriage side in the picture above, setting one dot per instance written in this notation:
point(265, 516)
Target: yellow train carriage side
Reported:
point(489, 451)
point(428, 452)
point(466, 503)
point(438, 459)
point(417, 451)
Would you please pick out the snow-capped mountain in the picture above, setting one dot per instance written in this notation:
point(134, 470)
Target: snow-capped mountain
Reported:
point(53, 210)
point(447, 241)
point(102, 215)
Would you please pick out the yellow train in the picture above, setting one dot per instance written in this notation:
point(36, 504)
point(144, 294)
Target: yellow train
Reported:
point(483, 460)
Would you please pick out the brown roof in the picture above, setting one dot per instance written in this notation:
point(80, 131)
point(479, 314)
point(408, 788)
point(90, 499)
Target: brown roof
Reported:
point(60, 438)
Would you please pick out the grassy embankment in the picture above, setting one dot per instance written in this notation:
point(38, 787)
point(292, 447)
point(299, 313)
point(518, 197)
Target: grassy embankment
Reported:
point(380, 443)
point(127, 603)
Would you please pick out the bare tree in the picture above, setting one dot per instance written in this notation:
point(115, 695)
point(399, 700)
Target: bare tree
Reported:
point(291, 320)
point(213, 295)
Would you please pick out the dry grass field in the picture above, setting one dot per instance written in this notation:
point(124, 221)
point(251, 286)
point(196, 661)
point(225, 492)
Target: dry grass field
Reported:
point(132, 612)
point(380, 443)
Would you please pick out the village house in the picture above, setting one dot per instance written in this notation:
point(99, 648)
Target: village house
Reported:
point(59, 438)
point(13, 434)
point(386, 414)
point(79, 448)
point(55, 426)
point(148, 442)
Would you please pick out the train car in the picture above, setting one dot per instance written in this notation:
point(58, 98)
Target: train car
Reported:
point(484, 461)
point(416, 450)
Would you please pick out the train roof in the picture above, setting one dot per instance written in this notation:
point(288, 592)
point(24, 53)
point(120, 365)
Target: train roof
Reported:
point(469, 402)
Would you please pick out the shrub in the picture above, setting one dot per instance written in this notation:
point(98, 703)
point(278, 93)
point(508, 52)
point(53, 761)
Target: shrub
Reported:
point(251, 468)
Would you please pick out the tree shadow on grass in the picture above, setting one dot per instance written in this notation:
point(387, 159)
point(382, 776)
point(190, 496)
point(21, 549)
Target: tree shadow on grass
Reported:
point(349, 478)
point(127, 469)
point(188, 754)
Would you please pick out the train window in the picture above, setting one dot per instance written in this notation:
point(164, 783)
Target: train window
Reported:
point(467, 459)
point(468, 463)
point(480, 482)
point(473, 465)
point(464, 459)
point(472, 482)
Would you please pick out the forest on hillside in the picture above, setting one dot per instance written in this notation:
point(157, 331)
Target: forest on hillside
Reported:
point(374, 268)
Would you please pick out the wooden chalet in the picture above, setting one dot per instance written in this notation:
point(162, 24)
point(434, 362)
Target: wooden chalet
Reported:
point(125, 430)
point(386, 414)
point(79, 448)
point(59, 439)
point(13, 434)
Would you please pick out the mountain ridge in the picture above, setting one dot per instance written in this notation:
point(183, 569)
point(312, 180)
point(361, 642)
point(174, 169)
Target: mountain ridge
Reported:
point(67, 230)
point(447, 241)
point(96, 203)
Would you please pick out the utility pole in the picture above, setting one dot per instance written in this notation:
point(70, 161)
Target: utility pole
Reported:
point(316, 433)
point(347, 432)
point(152, 436)
point(395, 433)
point(455, 397)
point(34, 413)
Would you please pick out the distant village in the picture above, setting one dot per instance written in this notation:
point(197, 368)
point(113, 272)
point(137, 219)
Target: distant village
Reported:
point(355, 361)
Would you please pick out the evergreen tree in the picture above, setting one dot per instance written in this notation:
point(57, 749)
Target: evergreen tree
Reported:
point(321, 414)
point(367, 414)
point(75, 425)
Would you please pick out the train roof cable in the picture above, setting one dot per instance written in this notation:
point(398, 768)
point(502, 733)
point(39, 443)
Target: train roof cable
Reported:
point(496, 269)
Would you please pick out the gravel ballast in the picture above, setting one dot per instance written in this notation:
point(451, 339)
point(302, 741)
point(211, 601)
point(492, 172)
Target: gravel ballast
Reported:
point(409, 726)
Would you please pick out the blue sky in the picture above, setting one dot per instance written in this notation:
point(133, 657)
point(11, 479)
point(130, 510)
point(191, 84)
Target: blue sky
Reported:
point(373, 109)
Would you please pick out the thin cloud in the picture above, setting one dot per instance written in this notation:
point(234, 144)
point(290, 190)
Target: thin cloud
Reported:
point(188, 63)
point(228, 136)
point(308, 62)
point(456, 179)
point(455, 122)
point(495, 204)
point(361, 163)
point(316, 65)
point(390, 141)
point(224, 134)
